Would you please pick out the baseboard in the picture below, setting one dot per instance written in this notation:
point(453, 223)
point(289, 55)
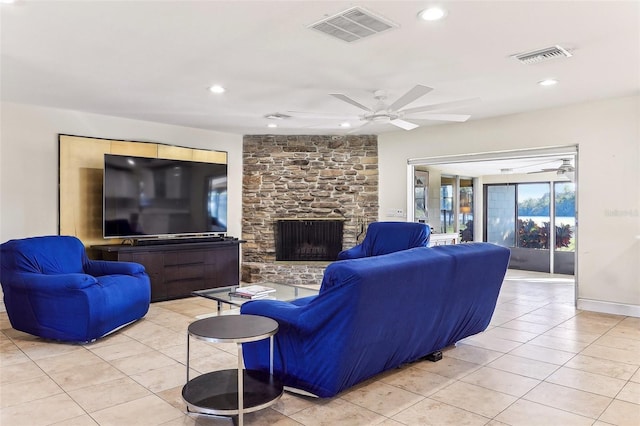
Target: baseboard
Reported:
point(609, 307)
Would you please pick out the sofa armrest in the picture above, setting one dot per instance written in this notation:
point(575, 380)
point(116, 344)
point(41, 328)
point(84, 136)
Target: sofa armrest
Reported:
point(355, 252)
point(98, 268)
point(285, 313)
point(51, 283)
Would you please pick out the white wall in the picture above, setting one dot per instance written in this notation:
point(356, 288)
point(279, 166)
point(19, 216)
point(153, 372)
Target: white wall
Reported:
point(607, 133)
point(29, 161)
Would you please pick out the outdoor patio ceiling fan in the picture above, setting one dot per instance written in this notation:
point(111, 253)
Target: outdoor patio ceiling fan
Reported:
point(394, 113)
point(564, 169)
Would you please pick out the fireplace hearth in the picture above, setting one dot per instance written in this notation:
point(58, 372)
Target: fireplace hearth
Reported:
point(308, 240)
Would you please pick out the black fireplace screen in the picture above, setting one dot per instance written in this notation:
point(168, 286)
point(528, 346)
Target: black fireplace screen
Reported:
point(308, 239)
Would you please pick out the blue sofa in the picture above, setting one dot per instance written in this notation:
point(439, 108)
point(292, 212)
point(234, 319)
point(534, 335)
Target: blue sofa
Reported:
point(52, 290)
point(389, 237)
point(375, 313)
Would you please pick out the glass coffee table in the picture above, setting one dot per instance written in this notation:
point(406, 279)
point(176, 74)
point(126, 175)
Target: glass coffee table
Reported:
point(285, 292)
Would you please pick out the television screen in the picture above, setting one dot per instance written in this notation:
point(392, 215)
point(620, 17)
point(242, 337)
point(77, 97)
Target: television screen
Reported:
point(146, 197)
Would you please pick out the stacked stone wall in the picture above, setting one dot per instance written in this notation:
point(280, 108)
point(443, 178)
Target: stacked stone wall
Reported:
point(303, 177)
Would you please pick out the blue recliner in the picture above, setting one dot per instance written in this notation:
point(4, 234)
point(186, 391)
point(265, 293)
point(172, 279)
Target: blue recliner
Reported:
point(53, 290)
point(389, 237)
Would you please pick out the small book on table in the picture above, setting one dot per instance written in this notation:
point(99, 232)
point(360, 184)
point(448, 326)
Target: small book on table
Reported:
point(253, 292)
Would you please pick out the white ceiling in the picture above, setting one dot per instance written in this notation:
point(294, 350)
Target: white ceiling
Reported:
point(154, 60)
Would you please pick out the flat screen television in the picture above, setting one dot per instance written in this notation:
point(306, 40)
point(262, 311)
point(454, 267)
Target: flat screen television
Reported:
point(154, 197)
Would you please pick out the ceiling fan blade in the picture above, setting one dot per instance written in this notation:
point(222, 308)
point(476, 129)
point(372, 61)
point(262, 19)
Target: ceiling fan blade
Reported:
point(443, 105)
point(542, 171)
point(403, 124)
point(413, 94)
point(348, 100)
point(447, 117)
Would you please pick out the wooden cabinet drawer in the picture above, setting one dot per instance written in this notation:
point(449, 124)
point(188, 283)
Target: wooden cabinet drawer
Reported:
point(184, 257)
point(183, 272)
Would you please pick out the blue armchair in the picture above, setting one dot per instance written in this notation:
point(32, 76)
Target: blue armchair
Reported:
point(389, 237)
point(53, 290)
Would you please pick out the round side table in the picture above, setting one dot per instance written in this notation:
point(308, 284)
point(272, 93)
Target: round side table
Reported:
point(236, 391)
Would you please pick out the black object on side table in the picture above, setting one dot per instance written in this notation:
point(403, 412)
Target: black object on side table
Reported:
point(232, 392)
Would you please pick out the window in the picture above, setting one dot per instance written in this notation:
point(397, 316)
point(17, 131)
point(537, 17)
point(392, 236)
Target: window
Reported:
point(420, 192)
point(565, 215)
point(465, 216)
point(533, 215)
point(447, 224)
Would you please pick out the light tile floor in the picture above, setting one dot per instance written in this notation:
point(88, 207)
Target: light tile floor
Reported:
point(541, 362)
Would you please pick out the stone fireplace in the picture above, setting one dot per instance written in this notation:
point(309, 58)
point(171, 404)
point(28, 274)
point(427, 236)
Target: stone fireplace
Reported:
point(304, 178)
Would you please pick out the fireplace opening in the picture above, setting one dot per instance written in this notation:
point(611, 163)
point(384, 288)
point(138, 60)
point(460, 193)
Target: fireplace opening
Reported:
point(311, 240)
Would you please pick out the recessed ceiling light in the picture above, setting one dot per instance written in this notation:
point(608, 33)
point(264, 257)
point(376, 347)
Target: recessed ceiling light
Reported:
point(345, 124)
point(432, 14)
point(272, 125)
point(548, 82)
point(216, 88)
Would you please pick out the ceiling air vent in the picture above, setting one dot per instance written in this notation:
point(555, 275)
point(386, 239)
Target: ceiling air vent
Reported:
point(277, 116)
point(353, 24)
point(542, 55)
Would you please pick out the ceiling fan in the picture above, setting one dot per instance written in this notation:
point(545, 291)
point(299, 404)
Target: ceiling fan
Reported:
point(564, 169)
point(394, 113)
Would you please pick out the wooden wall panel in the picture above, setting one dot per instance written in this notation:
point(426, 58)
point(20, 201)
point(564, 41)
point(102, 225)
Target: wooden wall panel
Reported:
point(80, 177)
point(219, 157)
point(139, 149)
point(81, 170)
point(175, 152)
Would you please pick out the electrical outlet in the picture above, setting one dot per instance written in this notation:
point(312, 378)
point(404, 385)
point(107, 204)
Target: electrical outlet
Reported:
point(395, 213)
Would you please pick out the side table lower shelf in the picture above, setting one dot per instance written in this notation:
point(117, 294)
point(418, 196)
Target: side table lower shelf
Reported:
point(216, 392)
point(236, 391)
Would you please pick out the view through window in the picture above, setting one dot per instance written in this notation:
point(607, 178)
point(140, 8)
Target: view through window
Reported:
point(521, 216)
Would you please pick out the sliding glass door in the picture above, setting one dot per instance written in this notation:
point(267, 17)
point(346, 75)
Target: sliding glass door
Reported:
point(533, 219)
point(521, 216)
point(500, 215)
point(565, 222)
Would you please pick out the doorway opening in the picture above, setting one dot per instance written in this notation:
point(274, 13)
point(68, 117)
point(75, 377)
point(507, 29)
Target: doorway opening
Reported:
point(537, 192)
